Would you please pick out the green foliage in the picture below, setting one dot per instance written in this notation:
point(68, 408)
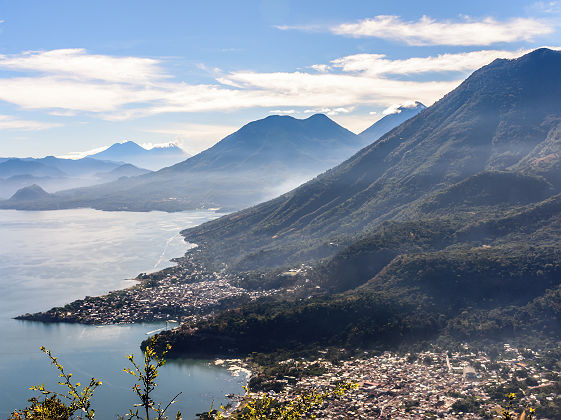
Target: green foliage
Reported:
point(467, 404)
point(146, 381)
point(410, 405)
point(49, 408)
point(57, 405)
point(273, 374)
point(265, 407)
point(508, 414)
point(77, 403)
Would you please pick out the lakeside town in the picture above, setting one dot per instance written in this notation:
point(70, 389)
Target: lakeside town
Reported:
point(428, 385)
point(186, 291)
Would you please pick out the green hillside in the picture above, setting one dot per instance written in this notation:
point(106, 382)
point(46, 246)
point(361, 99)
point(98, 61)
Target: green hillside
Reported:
point(448, 227)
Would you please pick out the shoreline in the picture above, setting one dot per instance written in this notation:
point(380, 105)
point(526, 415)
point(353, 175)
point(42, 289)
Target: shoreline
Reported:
point(236, 367)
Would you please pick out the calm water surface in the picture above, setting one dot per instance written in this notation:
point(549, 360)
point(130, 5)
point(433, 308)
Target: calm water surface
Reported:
point(51, 258)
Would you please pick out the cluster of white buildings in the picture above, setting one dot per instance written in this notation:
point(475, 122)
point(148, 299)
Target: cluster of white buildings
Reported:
point(421, 386)
point(175, 293)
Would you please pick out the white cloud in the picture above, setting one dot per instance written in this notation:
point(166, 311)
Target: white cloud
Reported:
point(150, 145)
point(63, 113)
point(329, 111)
point(428, 31)
point(80, 155)
point(8, 122)
point(392, 109)
point(396, 108)
point(52, 92)
point(321, 68)
point(546, 7)
point(77, 64)
point(305, 28)
point(333, 90)
point(355, 80)
point(282, 111)
point(193, 137)
point(378, 64)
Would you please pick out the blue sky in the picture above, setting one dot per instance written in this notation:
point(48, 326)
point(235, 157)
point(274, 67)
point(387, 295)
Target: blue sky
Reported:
point(77, 76)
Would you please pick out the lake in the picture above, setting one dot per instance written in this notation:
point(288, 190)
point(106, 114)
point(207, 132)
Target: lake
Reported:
point(53, 257)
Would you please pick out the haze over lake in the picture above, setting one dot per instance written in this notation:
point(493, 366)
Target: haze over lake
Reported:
point(51, 258)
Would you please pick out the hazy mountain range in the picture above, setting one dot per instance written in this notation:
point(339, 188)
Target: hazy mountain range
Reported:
point(54, 174)
point(261, 160)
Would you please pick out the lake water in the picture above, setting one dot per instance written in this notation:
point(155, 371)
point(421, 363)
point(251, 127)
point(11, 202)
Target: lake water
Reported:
point(51, 258)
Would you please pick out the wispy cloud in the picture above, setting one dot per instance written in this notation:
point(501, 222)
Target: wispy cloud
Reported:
point(63, 113)
point(305, 28)
point(332, 90)
point(48, 92)
point(546, 7)
point(8, 122)
point(378, 64)
point(149, 145)
point(428, 31)
point(321, 68)
point(193, 137)
point(346, 82)
point(329, 111)
point(80, 155)
point(396, 108)
point(283, 111)
point(77, 64)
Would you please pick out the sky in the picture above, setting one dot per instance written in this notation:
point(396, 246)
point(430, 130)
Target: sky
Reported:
point(77, 76)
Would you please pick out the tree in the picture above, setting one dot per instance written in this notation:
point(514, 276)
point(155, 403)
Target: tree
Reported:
point(265, 407)
point(146, 381)
point(57, 405)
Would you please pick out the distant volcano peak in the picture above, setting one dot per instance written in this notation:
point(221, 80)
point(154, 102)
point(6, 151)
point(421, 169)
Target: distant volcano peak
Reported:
point(153, 159)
